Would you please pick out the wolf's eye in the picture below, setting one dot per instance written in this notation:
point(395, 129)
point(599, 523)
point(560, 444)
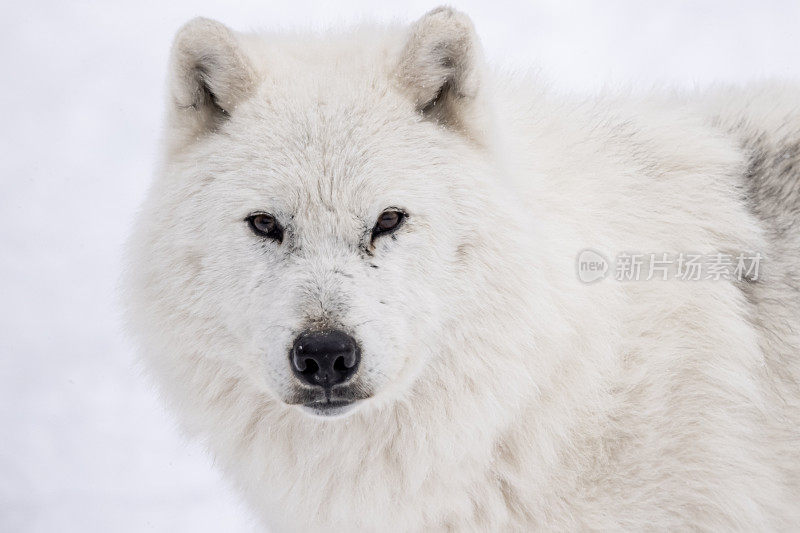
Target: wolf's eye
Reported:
point(387, 222)
point(266, 226)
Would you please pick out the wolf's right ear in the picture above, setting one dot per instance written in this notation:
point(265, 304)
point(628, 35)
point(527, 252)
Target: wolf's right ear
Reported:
point(209, 76)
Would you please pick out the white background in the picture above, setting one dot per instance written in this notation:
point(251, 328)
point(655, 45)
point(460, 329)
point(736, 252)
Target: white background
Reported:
point(84, 443)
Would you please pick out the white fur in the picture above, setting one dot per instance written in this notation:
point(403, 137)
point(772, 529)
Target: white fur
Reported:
point(508, 395)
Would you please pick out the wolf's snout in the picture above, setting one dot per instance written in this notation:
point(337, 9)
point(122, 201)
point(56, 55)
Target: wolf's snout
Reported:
point(325, 358)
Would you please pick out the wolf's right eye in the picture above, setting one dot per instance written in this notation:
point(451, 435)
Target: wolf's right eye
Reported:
point(265, 225)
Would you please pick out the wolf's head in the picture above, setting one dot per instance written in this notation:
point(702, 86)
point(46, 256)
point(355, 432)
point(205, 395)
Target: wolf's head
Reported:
point(316, 223)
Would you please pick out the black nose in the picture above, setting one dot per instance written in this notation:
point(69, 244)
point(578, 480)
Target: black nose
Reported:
point(325, 358)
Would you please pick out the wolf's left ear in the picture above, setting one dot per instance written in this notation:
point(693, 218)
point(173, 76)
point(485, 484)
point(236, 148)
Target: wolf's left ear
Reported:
point(209, 75)
point(441, 69)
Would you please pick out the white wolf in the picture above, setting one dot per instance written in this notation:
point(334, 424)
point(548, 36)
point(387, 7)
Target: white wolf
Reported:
point(354, 278)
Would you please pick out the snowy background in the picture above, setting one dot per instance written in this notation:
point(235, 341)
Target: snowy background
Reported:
point(84, 443)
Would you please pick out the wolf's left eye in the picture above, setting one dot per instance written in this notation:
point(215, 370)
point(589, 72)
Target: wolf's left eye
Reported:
point(387, 222)
point(266, 226)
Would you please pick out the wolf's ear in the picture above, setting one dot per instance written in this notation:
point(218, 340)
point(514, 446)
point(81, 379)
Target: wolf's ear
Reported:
point(209, 76)
point(441, 68)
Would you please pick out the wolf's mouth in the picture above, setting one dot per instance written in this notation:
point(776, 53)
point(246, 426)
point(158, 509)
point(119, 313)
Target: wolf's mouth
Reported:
point(329, 408)
point(329, 402)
